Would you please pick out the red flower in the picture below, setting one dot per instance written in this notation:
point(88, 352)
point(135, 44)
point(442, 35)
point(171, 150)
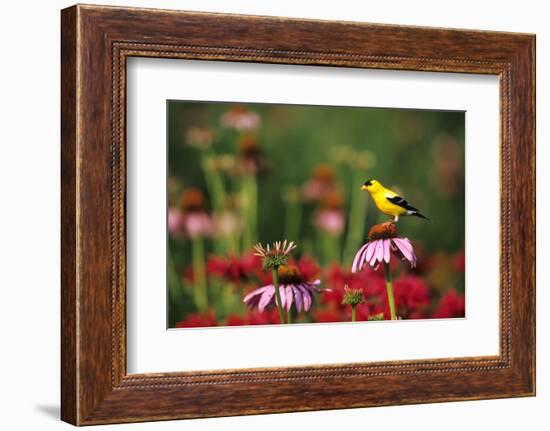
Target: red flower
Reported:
point(198, 320)
point(308, 268)
point(362, 312)
point(370, 281)
point(254, 318)
point(327, 316)
point(451, 305)
point(411, 295)
point(459, 262)
point(235, 269)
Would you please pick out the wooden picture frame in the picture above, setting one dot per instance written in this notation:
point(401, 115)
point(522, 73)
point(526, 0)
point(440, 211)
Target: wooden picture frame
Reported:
point(96, 41)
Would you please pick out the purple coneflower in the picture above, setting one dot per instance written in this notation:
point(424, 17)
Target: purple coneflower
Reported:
point(273, 257)
point(294, 288)
point(383, 242)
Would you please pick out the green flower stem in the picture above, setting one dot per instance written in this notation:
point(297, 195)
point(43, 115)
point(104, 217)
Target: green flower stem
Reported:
point(216, 191)
point(353, 307)
point(289, 316)
point(329, 246)
point(278, 295)
point(293, 219)
point(356, 220)
point(214, 181)
point(250, 202)
point(175, 289)
point(199, 271)
point(389, 290)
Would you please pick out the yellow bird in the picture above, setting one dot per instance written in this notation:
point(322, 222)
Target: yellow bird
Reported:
point(389, 202)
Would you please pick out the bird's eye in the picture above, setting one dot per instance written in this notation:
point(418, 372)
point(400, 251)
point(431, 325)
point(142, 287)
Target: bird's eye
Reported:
point(368, 183)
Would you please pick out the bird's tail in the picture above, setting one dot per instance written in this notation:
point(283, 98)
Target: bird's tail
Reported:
point(418, 214)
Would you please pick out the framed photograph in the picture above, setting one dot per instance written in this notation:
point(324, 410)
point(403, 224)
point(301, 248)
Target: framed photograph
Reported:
point(329, 214)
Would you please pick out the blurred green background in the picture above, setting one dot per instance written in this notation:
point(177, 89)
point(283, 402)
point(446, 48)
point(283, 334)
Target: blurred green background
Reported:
point(285, 149)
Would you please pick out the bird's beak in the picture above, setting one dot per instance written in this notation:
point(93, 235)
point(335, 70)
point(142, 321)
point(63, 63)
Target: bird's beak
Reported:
point(364, 187)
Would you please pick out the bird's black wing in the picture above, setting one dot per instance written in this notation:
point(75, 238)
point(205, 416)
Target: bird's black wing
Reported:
point(399, 201)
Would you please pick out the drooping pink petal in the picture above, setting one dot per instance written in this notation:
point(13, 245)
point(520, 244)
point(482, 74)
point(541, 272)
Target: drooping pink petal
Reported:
point(307, 298)
point(358, 260)
point(406, 243)
point(289, 297)
point(266, 298)
point(282, 293)
point(298, 298)
point(378, 253)
point(256, 292)
point(313, 285)
point(387, 243)
point(405, 248)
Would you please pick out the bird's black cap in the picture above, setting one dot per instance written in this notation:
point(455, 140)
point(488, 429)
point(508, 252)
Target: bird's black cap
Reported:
point(368, 183)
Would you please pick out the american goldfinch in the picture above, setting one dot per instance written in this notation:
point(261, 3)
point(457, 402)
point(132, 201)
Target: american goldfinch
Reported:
point(389, 202)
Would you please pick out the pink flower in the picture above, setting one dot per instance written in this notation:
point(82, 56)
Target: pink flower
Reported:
point(241, 119)
point(175, 221)
point(197, 224)
point(330, 220)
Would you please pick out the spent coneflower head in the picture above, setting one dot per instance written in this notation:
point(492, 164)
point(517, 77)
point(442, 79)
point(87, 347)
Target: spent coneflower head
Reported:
point(383, 242)
point(250, 156)
point(274, 255)
point(353, 296)
point(192, 200)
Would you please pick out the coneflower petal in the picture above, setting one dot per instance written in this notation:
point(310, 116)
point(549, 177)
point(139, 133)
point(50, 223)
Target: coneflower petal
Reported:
point(370, 251)
point(357, 261)
point(266, 298)
point(386, 243)
point(379, 253)
point(298, 298)
point(307, 298)
point(255, 292)
point(405, 247)
point(289, 297)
